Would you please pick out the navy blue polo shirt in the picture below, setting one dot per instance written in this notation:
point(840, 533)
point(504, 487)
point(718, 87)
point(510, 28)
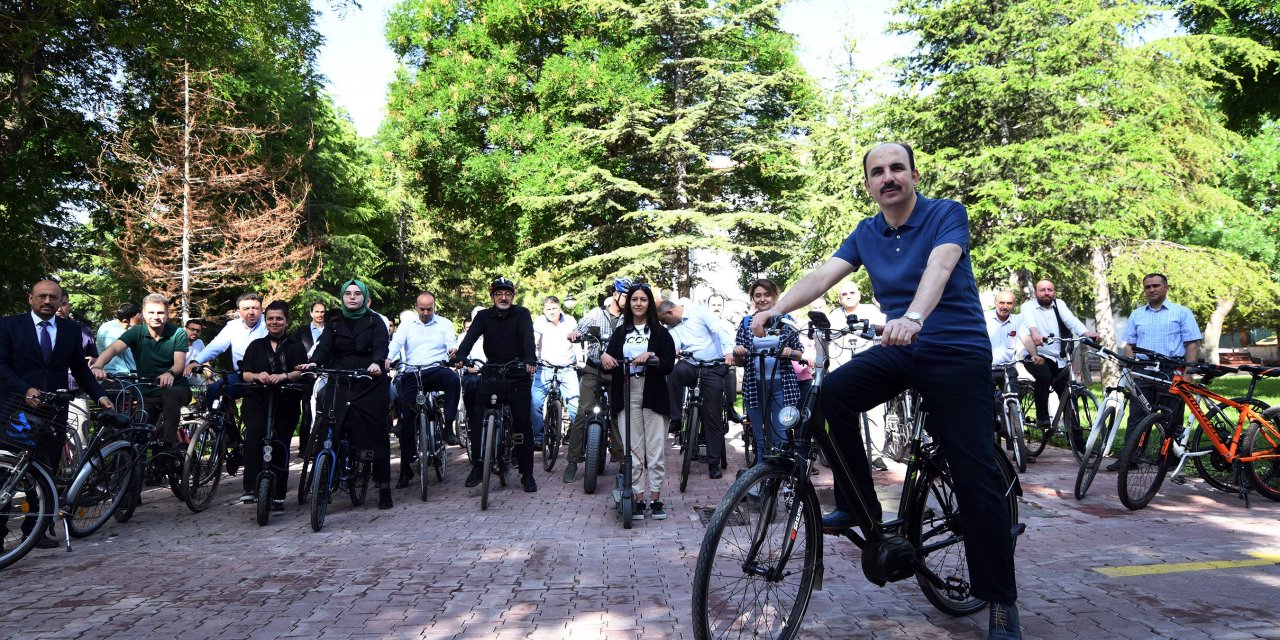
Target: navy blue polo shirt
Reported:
point(895, 259)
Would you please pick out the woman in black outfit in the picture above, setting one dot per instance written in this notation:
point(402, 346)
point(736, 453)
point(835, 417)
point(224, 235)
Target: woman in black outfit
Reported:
point(271, 360)
point(356, 338)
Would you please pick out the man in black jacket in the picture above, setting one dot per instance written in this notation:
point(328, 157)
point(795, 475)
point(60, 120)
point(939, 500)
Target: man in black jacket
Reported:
point(507, 329)
point(37, 349)
point(308, 334)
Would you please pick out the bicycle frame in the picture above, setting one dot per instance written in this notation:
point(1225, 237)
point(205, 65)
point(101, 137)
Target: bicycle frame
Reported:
point(1189, 392)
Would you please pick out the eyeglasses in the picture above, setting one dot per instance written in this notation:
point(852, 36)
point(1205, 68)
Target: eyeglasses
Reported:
point(504, 294)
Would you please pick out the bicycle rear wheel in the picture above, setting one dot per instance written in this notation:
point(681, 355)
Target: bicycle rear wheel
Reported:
point(1212, 467)
point(28, 512)
point(132, 494)
point(1265, 473)
point(551, 435)
point(691, 428)
point(358, 482)
point(98, 490)
point(1093, 457)
point(1084, 406)
point(201, 470)
point(438, 455)
point(741, 586)
point(1145, 461)
point(594, 446)
point(934, 529)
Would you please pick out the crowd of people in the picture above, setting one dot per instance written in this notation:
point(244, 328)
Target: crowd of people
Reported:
point(657, 347)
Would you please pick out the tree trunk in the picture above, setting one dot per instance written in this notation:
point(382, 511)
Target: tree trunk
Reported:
point(1213, 329)
point(1103, 318)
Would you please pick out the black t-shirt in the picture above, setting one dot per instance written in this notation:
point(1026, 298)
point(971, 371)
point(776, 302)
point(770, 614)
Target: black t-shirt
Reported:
point(260, 358)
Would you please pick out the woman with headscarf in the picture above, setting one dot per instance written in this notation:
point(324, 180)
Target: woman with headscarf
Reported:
point(355, 337)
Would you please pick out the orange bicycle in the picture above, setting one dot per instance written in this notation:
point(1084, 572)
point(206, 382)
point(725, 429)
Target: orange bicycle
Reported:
point(1244, 438)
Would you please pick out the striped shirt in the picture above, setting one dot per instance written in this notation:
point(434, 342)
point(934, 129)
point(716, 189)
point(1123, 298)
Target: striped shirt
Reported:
point(1165, 330)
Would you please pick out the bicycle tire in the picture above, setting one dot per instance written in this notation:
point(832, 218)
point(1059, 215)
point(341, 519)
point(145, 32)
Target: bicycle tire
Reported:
point(1144, 462)
point(490, 446)
point(1084, 406)
point(591, 461)
point(551, 435)
point(263, 511)
point(628, 508)
point(1003, 435)
point(1036, 436)
point(132, 495)
point(321, 484)
point(691, 429)
point(1213, 467)
point(1017, 430)
point(26, 486)
point(358, 482)
point(438, 455)
point(201, 470)
point(1093, 457)
point(425, 451)
point(69, 462)
point(721, 586)
point(98, 489)
point(895, 446)
point(1264, 474)
point(749, 449)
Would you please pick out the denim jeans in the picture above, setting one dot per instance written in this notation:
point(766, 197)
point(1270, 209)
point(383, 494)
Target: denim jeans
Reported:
point(777, 435)
point(542, 385)
point(955, 385)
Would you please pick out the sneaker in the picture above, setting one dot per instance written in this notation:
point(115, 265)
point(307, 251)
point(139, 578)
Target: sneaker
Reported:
point(233, 462)
point(570, 472)
point(384, 498)
point(675, 427)
point(537, 443)
point(1003, 623)
point(277, 506)
point(656, 511)
point(638, 514)
point(1115, 465)
point(45, 542)
point(530, 485)
point(879, 465)
point(248, 498)
point(838, 521)
point(473, 479)
point(713, 470)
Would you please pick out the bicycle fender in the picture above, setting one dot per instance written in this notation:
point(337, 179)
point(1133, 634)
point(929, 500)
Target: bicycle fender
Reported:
point(89, 466)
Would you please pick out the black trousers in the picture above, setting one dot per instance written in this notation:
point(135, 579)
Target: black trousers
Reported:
point(253, 412)
point(955, 385)
point(517, 394)
point(686, 375)
point(434, 379)
point(1046, 377)
point(165, 410)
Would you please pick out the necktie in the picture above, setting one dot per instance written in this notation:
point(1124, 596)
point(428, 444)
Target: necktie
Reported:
point(46, 342)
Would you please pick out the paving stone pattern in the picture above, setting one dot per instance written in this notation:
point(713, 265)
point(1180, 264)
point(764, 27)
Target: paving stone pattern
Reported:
point(558, 564)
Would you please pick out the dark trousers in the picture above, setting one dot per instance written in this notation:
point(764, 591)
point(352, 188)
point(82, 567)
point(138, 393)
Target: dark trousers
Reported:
point(229, 390)
point(516, 393)
point(285, 416)
point(165, 410)
point(304, 425)
point(955, 385)
point(730, 389)
point(1046, 376)
point(433, 379)
point(1157, 394)
point(686, 375)
point(589, 379)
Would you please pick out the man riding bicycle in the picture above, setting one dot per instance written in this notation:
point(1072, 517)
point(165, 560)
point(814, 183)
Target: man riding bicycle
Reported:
point(916, 251)
point(551, 340)
point(695, 330)
point(422, 342)
point(507, 329)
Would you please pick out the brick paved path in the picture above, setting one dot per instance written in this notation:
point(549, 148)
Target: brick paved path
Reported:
point(557, 564)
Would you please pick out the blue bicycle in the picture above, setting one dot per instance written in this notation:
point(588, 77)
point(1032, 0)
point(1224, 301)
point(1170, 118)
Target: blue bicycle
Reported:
point(334, 469)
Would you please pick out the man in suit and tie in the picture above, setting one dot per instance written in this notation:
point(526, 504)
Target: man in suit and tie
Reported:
point(37, 349)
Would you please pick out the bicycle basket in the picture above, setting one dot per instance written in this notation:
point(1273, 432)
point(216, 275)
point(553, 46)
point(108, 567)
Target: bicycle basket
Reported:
point(24, 426)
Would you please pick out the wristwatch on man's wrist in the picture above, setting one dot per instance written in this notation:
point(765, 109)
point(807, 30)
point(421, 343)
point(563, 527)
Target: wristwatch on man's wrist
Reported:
point(914, 317)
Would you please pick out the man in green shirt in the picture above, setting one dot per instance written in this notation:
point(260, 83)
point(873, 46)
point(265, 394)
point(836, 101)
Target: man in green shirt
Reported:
point(160, 351)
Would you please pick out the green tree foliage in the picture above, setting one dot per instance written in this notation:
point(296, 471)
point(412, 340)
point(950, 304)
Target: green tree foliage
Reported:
point(1250, 95)
point(585, 138)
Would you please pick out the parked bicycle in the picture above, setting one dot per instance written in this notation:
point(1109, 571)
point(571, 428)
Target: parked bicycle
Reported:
point(1238, 430)
point(1009, 427)
point(761, 557)
point(599, 425)
point(691, 436)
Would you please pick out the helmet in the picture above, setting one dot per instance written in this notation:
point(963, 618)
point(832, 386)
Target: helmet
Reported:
point(500, 283)
point(621, 285)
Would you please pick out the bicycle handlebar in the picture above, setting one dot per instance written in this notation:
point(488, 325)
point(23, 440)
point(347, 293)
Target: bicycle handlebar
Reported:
point(338, 373)
point(687, 356)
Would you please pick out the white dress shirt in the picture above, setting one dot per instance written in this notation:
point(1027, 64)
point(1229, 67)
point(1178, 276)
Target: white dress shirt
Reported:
point(1006, 337)
point(700, 332)
point(552, 340)
point(235, 336)
point(418, 344)
point(1043, 319)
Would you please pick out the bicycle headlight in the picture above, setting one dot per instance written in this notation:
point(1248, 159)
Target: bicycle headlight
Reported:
point(789, 416)
point(595, 410)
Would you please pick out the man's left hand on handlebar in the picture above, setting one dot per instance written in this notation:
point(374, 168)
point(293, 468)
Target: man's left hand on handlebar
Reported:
point(899, 332)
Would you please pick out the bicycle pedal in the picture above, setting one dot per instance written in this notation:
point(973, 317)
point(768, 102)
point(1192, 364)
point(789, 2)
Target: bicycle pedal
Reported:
point(1179, 480)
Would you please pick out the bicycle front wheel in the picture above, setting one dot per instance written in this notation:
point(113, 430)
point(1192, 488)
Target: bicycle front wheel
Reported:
point(98, 490)
point(1035, 435)
point(27, 513)
point(1210, 465)
point(551, 437)
point(490, 444)
point(201, 471)
point(426, 451)
point(1084, 406)
point(691, 427)
point(1093, 457)
point(321, 483)
point(755, 574)
point(1145, 461)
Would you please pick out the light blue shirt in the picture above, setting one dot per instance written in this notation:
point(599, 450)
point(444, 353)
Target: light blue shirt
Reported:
point(109, 332)
point(235, 336)
point(1165, 330)
point(418, 344)
point(315, 332)
point(702, 333)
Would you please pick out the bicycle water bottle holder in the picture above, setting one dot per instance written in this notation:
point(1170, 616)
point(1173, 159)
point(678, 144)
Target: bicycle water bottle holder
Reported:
point(889, 559)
